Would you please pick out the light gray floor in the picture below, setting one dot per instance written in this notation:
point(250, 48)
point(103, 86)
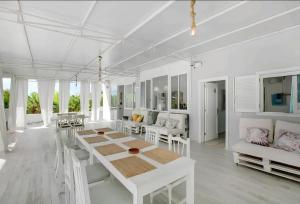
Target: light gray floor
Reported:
point(27, 176)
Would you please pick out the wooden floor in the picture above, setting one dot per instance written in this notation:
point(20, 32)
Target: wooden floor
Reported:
point(27, 175)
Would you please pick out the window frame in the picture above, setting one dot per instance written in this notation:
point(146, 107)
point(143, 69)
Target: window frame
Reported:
point(294, 71)
point(178, 90)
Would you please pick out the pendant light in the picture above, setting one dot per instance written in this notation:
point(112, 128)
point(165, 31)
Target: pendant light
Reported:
point(193, 14)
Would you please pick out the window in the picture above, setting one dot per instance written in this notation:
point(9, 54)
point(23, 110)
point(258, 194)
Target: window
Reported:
point(134, 95)
point(90, 98)
point(143, 95)
point(6, 91)
point(298, 90)
point(128, 96)
point(33, 100)
point(101, 99)
point(148, 94)
point(179, 92)
point(56, 98)
point(280, 94)
point(74, 101)
point(114, 95)
point(160, 93)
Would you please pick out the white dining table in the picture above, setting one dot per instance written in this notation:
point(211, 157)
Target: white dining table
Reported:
point(145, 183)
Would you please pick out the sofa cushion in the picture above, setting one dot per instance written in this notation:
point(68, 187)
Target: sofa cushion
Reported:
point(270, 153)
point(283, 125)
point(171, 123)
point(257, 123)
point(160, 122)
point(181, 118)
point(288, 141)
point(257, 136)
point(134, 117)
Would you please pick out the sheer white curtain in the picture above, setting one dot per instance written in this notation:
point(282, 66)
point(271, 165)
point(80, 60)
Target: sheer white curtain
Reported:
point(3, 136)
point(96, 90)
point(13, 97)
point(84, 97)
point(64, 95)
point(46, 93)
point(22, 94)
point(106, 100)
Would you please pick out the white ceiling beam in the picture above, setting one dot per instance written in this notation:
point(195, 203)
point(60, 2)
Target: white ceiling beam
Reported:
point(58, 23)
point(71, 33)
point(136, 28)
point(181, 32)
point(81, 25)
point(25, 32)
point(227, 34)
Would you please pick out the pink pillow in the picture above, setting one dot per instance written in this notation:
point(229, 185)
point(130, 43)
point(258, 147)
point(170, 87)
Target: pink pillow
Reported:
point(288, 141)
point(257, 136)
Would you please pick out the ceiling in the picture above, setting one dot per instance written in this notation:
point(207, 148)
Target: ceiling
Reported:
point(61, 39)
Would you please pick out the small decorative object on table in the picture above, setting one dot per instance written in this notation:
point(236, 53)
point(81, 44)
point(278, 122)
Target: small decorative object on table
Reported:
point(133, 150)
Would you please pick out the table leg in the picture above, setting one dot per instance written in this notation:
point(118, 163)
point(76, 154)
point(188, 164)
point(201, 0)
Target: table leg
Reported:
point(137, 199)
point(190, 187)
point(91, 159)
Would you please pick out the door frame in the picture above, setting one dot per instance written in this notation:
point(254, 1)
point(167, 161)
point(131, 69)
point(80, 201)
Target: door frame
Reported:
point(201, 113)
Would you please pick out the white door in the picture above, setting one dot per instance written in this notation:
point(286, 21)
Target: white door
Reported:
point(210, 110)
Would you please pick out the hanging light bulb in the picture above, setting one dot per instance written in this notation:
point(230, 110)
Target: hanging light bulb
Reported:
point(193, 14)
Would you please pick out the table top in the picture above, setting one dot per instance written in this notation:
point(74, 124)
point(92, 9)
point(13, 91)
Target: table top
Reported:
point(146, 171)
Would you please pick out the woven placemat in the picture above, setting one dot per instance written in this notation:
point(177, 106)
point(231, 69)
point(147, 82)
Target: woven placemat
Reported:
point(132, 166)
point(137, 144)
point(162, 156)
point(96, 139)
point(109, 149)
point(86, 132)
point(116, 135)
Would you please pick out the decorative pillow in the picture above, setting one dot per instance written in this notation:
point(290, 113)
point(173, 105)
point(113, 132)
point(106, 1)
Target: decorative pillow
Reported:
point(135, 117)
point(288, 141)
point(171, 124)
point(160, 122)
point(139, 119)
point(257, 136)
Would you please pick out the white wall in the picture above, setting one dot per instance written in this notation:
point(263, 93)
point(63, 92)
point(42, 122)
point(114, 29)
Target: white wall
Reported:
point(273, 52)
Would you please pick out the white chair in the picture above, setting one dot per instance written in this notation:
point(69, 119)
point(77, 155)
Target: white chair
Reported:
point(59, 158)
point(96, 173)
point(181, 147)
point(152, 135)
point(106, 192)
point(118, 125)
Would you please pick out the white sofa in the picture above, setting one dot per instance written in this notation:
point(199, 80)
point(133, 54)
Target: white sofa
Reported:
point(180, 128)
point(268, 159)
point(135, 126)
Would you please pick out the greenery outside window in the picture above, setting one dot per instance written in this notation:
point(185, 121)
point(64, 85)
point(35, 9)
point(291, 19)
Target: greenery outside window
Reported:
point(74, 101)
point(33, 99)
point(6, 91)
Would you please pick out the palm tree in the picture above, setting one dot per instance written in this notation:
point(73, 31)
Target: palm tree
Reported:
point(55, 102)
point(6, 95)
point(74, 104)
point(33, 104)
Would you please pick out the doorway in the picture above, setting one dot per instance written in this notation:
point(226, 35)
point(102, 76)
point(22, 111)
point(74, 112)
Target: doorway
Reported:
point(213, 113)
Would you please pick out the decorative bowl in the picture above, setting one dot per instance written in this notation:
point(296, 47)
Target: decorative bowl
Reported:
point(134, 150)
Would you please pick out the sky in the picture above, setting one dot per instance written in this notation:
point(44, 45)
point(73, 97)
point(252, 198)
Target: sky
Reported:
point(32, 86)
